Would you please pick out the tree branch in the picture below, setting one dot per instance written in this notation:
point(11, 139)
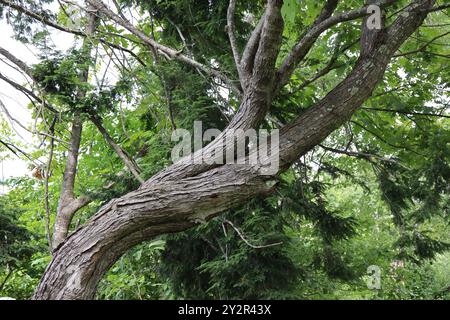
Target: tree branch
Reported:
point(339, 104)
point(19, 63)
point(50, 135)
point(422, 47)
point(322, 23)
point(161, 49)
point(127, 160)
point(262, 78)
point(241, 235)
point(40, 18)
point(250, 49)
point(56, 26)
point(231, 30)
point(361, 155)
point(28, 93)
point(68, 204)
point(255, 102)
point(331, 65)
point(426, 114)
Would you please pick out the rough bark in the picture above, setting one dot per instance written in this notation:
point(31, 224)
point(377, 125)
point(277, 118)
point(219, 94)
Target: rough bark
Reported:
point(68, 204)
point(166, 204)
point(255, 101)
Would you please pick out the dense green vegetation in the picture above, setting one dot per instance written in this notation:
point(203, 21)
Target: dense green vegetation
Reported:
point(374, 193)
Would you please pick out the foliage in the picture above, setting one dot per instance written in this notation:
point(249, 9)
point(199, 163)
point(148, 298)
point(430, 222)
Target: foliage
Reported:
point(375, 192)
point(17, 250)
point(213, 261)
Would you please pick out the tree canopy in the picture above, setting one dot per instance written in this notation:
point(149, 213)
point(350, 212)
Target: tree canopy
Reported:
point(364, 150)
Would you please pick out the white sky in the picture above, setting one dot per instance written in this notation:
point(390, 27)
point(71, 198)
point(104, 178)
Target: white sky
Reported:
point(15, 102)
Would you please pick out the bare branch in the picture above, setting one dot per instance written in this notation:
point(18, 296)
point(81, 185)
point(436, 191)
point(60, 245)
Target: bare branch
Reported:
point(40, 18)
point(50, 135)
point(331, 65)
point(19, 63)
point(161, 49)
point(16, 151)
point(239, 232)
point(30, 94)
point(56, 26)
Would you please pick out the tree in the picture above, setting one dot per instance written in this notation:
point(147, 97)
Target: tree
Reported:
point(191, 192)
point(15, 250)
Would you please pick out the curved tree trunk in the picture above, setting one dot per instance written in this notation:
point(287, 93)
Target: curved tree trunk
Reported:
point(139, 216)
point(185, 194)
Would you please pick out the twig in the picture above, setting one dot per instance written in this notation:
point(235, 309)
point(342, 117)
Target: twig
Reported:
point(47, 176)
point(246, 241)
point(10, 272)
